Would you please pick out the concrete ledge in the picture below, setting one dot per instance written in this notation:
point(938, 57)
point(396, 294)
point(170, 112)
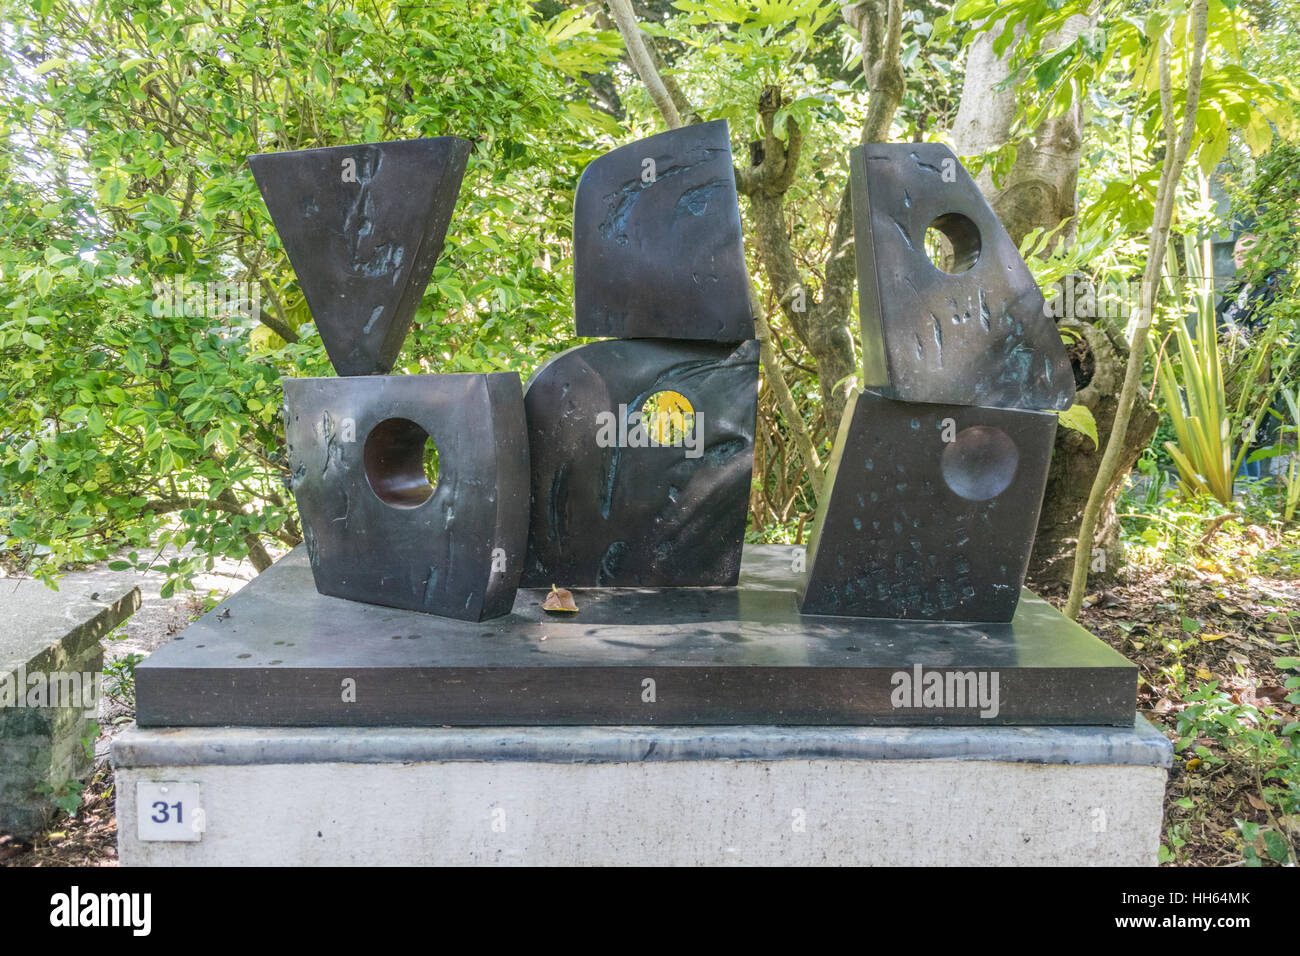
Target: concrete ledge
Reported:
point(674, 796)
point(39, 620)
point(1140, 745)
point(51, 665)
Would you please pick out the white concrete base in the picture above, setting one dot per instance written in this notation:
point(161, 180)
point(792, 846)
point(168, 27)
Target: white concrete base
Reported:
point(523, 801)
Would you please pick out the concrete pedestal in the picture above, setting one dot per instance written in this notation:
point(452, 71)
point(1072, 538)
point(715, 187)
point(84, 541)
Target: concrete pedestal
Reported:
point(654, 795)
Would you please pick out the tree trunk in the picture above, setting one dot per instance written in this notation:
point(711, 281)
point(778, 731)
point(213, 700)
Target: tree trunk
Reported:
point(824, 325)
point(1098, 374)
point(1040, 190)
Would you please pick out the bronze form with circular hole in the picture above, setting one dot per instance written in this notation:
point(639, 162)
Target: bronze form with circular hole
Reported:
point(962, 247)
point(395, 463)
point(980, 463)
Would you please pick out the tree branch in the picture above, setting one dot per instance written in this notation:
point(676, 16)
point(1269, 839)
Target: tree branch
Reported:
point(880, 24)
point(783, 397)
point(1170, 173)
point(642, 61)
point(644, 64)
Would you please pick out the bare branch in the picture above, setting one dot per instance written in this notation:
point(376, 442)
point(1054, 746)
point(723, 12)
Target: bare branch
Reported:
point(787, 157)
point(642, 61)
point(880, 25)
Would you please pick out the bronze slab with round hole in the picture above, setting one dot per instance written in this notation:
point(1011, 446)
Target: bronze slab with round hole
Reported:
point(376, 527)
point(970, 330)
point(931, 511)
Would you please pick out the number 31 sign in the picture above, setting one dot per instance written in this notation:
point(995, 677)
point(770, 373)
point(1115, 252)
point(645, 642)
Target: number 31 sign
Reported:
point(169, 811)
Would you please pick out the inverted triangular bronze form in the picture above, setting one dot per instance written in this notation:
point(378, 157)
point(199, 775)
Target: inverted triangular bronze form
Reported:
point(363, 226)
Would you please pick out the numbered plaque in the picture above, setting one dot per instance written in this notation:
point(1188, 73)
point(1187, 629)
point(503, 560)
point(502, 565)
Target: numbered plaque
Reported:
point(377, 528)
point(931, 511)
point(169, 811)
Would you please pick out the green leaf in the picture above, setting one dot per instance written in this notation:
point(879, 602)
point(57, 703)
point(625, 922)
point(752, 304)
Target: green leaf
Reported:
point(115, 191)
point(1079, 418)
point(1276, 846)
point(33, 341)
point(27, 454)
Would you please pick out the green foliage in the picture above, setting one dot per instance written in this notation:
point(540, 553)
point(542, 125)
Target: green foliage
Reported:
point(124, 129)
point(1120, 42)
point(766, 38)
point(1291, 497)
point(1265, 197)
point(66, 796)
point(1192, 387)
point(1265, 742)
point(1079, 418)
point(119, 679)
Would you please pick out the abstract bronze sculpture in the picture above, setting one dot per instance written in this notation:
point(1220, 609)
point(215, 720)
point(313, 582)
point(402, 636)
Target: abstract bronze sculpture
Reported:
point(657, 249)
point(623, 508)
point(939, 469)
point(625, 470)
point(973, 332)
point(363, 226)
point(376, 529)
point(931, 511)
point(658, 264)
point(937, 473)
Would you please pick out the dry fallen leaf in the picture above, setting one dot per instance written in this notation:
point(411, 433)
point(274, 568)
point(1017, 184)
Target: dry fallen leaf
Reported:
point(560, 601)
point(1102, 599)
point(1213, 637)
point(1256, 802)
point(1203, 674)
